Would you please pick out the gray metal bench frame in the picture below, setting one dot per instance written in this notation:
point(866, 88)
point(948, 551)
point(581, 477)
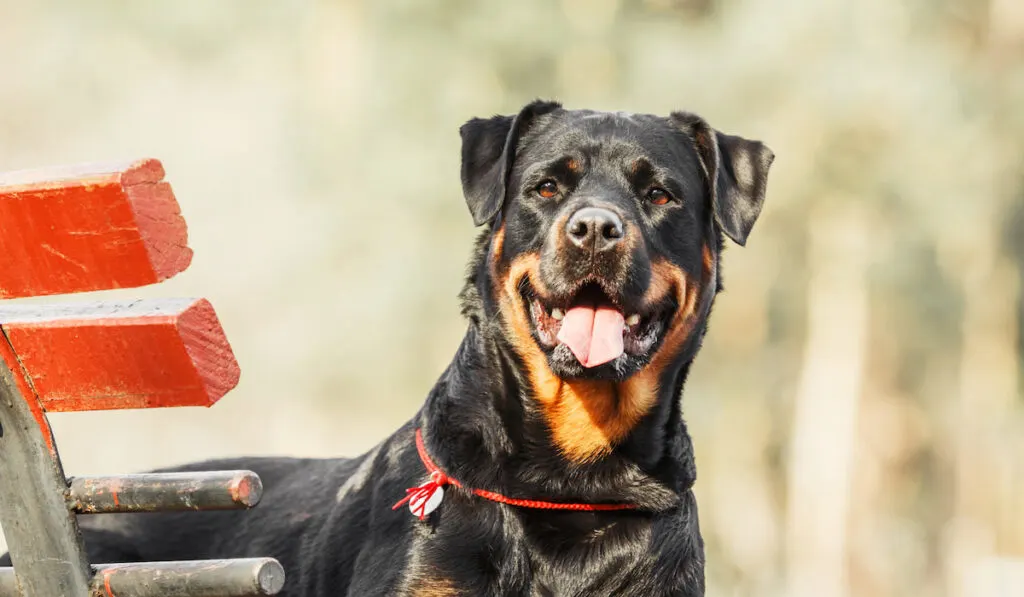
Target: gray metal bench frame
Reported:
point(39, 508)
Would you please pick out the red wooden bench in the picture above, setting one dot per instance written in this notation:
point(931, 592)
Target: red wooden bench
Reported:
point(80, 229)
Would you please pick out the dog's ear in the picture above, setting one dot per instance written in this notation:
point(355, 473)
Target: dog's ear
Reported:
point(737, 174)
point(488, 152)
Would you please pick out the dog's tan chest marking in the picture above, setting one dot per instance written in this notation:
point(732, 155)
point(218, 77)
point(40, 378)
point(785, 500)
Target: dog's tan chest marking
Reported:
point(435, 587)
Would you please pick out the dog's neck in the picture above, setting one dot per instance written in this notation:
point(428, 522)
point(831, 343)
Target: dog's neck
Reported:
point(483, 426)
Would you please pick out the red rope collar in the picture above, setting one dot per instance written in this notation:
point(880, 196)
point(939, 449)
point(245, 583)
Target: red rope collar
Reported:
point(425, 498)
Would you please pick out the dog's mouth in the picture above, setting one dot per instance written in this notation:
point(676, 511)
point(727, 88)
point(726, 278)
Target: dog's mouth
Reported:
point(595, 328)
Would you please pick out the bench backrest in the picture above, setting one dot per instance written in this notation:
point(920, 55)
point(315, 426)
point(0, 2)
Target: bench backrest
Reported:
point(88, 228)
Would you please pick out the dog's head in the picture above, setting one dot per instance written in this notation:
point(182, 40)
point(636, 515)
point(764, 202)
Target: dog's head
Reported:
point(605, 229)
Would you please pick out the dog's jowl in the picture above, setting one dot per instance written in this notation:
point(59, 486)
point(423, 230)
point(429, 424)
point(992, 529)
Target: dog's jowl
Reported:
point(551, 457)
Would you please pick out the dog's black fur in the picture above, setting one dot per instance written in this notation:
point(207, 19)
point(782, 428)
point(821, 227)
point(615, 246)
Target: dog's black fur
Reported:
point(515, 412)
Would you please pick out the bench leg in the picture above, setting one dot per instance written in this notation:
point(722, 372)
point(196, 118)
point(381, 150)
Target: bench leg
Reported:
point(41, 530)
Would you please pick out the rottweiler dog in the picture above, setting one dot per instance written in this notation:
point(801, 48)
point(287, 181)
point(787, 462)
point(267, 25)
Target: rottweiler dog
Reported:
point(551, 457)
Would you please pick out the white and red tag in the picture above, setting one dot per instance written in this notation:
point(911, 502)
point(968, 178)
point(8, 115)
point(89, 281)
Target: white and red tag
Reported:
point(425, 498)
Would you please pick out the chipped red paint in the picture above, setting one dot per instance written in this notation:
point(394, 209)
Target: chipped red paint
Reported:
point(165, 492)
point(240, 489)
point(28, 392)
point(143, 355)
point(106, 582)
point(89, 228)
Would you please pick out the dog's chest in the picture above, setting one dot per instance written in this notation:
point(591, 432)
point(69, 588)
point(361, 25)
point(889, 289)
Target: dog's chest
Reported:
point(501, 552)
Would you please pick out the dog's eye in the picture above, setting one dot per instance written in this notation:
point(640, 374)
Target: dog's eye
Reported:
point(547, 189)
point(658, 196)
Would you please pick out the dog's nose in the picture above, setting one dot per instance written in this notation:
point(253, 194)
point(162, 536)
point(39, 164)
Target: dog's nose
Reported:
point(594, 228)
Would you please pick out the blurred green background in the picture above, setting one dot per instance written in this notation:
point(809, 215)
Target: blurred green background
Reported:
point(857, 408)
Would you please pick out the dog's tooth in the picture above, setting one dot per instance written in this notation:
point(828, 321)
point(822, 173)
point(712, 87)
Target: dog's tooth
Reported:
point(633, 319)
point(557, 314)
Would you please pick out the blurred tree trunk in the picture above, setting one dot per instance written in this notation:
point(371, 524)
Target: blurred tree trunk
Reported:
point(826, 405)
point(987, 396)
point(986, 522)
point(1014, 243)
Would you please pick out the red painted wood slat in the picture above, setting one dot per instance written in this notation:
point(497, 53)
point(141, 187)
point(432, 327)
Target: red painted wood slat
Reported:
point(138, 354)
point(91, 227)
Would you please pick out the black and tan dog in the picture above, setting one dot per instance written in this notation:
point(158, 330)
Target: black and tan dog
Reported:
point(551, 457)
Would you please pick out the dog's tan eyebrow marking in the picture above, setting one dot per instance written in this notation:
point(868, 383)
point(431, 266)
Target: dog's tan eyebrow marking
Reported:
point(634, 168)
point(642, 173)
point(567, 169)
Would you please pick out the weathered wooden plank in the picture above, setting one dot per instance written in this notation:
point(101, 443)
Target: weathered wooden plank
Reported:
point(165, 492)
point(91, 227)
point(41, 532)
point(251, 577)
point(138, 354)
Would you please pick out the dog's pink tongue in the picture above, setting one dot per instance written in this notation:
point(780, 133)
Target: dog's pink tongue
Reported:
point(594, 335)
